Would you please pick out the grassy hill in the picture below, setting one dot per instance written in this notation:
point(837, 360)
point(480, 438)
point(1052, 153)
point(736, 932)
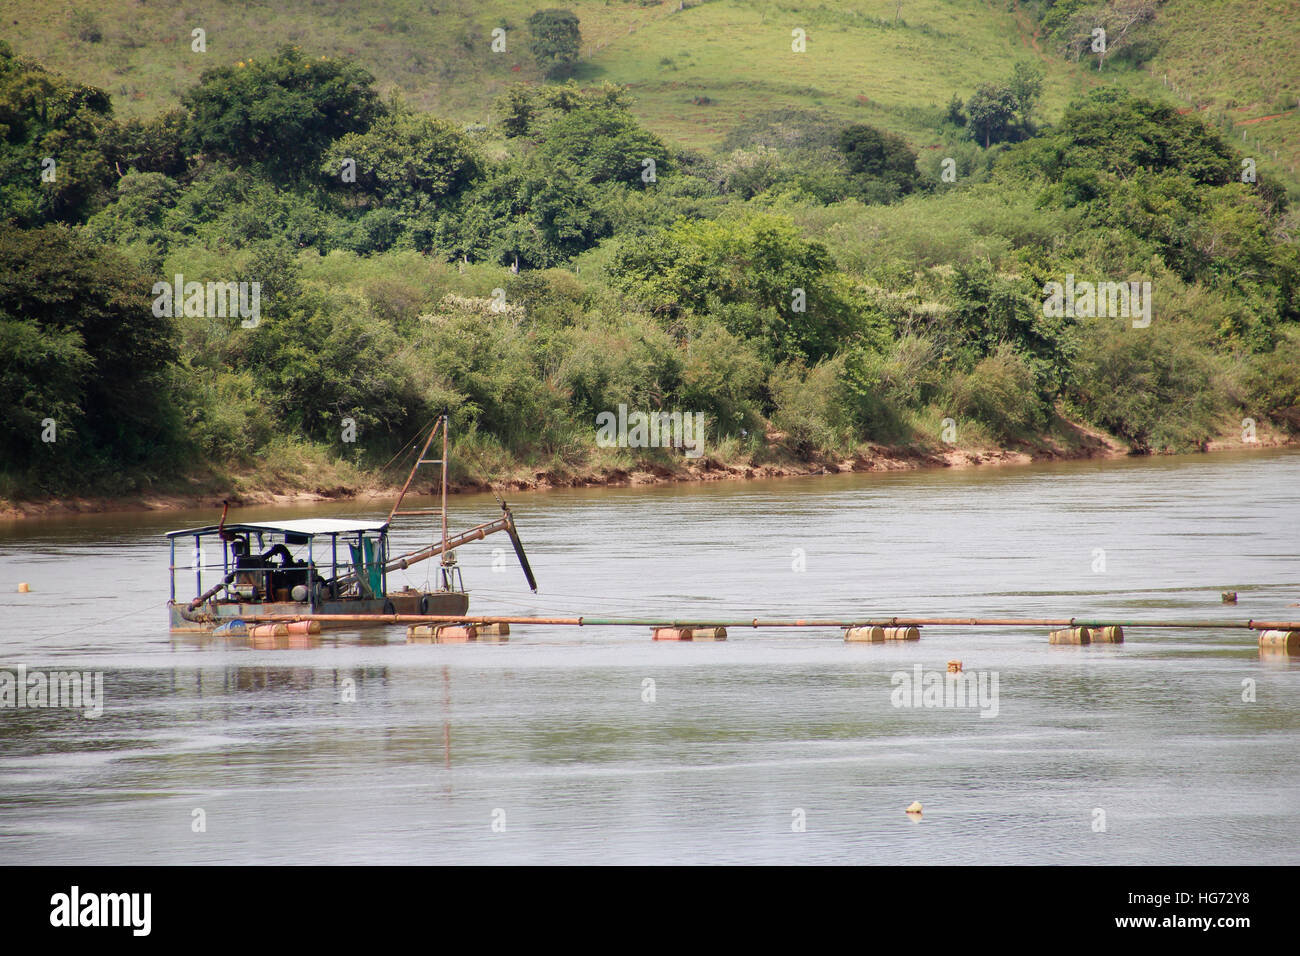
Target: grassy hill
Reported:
point(814, 288)
point(1237, 61)
point(701, 69)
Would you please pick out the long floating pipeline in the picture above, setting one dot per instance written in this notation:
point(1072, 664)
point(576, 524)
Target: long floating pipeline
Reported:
point(1250, 625)
point(455, 628)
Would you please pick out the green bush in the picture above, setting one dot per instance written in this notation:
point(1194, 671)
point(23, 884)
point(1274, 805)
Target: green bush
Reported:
point(403, 160)
point(225, 414)
point(785, 286)
point(555, 40)
point(1000, 392)
point(1273, 384)
point(107, 355)
point(1151, 387)
point(280, 113)
point(809, 407)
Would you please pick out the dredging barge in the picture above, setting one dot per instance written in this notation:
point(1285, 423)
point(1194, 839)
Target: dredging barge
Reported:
point(260, 575)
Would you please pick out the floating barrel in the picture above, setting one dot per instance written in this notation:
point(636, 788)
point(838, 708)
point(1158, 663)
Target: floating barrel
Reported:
point(902, 634)
point(441, 633)
point(455, 633)
point(1113, 634)
point(269, 630)
point(419, 634)
point(872, 634)
point(1229, 597)
point(690, 633)
point(1071, 635)
point(954, 667)
point(1290, 640)
point(304, 627)
point(23, 587)
point(493, 630)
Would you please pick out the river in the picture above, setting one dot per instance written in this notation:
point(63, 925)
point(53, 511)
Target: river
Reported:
point(598, 745)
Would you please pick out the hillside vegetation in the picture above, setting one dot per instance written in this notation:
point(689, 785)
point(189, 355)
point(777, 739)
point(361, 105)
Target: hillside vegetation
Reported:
point(820, 251)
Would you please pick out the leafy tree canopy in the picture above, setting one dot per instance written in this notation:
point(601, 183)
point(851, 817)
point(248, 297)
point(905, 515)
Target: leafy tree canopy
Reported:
point(406, 159)
point(282, 112)
point(51, 164)
point(879, 155)
point(555, 40)
point(780, 287)
point(105, 352)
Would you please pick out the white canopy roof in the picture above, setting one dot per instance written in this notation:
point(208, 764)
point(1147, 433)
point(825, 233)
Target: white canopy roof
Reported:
point(308, 526)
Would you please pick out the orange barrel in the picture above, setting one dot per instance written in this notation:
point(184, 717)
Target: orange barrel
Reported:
point(304, 627)
point(420, 634)
point(269, 630)
point(1285, 639)
point(902, 634)
point(864, 635)
point(1071, 635)
point(1114, 634)
point(690, 633)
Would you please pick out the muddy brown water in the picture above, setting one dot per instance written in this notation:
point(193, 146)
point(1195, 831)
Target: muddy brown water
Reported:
point(568, 745)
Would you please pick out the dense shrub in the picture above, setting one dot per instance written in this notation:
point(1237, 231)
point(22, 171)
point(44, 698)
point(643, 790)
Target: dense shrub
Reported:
point(1001, 393)
point(1151, 387)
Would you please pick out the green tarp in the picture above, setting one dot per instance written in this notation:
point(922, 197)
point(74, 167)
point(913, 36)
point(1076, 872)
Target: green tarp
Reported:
point(370, 571)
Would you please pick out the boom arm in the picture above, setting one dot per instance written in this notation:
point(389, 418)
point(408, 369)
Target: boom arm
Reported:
point(505, 523)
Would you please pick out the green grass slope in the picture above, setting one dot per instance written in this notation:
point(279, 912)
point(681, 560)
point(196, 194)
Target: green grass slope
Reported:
point(700, 69)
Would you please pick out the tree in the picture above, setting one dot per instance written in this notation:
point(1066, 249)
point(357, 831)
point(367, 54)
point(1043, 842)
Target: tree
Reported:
point(1113, 130)
point(527, 212)
point(1027, 85)
point(321, 359)
point(601, 145)
point(149, 146)
point(106, 355)
point(749, 272)
point(992, 111)
point(524, 108)
point(46, 119)
point(42, 376)
point(517, 106)
point(955, 115)
point(879, 155)
point(556, 40)
point(282, 113)
point(405, 159)
point(1119, 24)
point(138, 214)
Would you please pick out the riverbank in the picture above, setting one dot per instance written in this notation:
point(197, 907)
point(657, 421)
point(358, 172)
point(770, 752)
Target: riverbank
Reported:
point(1068, 441)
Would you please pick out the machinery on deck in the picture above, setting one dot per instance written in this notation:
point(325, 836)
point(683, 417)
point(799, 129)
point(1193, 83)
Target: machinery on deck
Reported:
point(326, 566)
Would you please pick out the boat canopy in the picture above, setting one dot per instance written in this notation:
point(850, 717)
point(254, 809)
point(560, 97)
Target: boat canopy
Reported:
point(310, 527)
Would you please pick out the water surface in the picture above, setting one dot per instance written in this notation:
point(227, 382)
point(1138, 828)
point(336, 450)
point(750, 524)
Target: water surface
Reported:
point(547, 748)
